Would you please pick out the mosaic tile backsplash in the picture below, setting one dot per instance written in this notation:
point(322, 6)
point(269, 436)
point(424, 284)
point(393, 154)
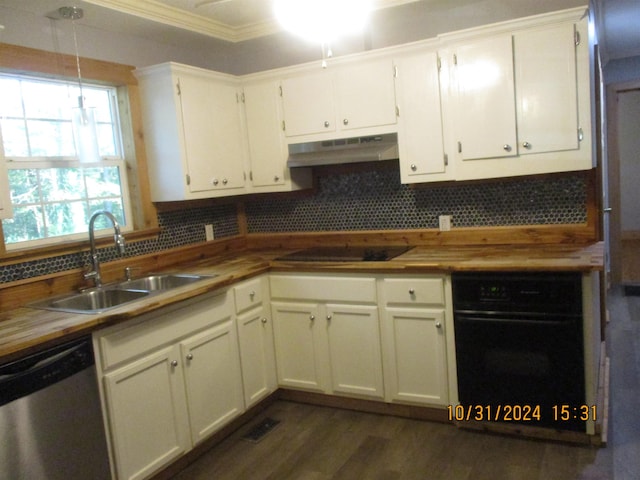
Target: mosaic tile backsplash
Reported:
point(370, 200)
point(179, 228)
point(376, 200)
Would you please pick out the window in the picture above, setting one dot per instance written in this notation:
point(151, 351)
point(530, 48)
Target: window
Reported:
point(53, 195)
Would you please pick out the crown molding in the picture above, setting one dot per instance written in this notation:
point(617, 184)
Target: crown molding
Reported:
point(176, 17)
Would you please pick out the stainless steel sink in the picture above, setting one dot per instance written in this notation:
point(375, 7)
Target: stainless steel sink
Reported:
point(91, 301)
point(101, 299)
point(168, 281)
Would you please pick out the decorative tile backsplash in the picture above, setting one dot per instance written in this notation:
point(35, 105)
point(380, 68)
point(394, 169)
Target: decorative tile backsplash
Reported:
point(376, 200)
point(369, 200)
point(181, 227)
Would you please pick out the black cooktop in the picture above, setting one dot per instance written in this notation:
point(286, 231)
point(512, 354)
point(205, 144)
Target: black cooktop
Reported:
point(345, 254)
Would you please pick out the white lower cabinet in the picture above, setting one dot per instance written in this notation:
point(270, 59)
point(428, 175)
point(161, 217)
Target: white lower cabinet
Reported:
point(168, 381)
point(255, 334)
point(327, 334)
point(417, 339)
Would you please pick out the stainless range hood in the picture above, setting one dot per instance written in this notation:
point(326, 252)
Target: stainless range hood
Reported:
point(346, 150)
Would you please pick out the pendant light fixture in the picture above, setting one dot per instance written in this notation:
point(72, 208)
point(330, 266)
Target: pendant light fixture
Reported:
point(82, 117)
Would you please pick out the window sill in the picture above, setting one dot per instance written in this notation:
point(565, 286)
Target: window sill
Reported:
point(30, 254)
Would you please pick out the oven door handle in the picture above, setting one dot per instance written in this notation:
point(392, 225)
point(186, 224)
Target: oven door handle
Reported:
point(514, 320)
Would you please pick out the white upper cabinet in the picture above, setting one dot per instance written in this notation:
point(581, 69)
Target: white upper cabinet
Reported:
point(365, 95)
point(340, 101)
point(420, 121)
point(308, 104)
point(267, 147)
point(193, 132)
point(522, 100)
point(546, 89)
point(486, 116)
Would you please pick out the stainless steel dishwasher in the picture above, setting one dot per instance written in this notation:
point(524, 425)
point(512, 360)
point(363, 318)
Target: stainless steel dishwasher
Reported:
point(50, 416)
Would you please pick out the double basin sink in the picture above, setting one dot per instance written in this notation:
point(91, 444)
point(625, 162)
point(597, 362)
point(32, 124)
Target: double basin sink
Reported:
point(101, 299)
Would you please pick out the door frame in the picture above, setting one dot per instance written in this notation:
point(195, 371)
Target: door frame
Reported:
point(612, 150)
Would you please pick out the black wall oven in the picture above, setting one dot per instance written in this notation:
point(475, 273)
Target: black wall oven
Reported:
point(519, 347)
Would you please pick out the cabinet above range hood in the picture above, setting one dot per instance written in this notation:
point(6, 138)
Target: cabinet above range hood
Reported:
point(346, 150)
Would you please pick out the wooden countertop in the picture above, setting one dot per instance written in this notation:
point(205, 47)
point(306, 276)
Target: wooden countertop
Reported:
point(24, 330)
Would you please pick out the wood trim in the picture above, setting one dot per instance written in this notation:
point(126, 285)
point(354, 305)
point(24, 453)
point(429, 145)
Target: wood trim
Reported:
point(552, 234)
point(31, 60)
point(18, 256)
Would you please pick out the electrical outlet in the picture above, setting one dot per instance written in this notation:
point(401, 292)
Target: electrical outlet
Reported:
point(444, 222)
point(208, 232)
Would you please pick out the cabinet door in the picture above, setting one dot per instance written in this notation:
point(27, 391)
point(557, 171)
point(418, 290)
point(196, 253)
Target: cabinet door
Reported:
point(213, 381)
point(257, 356)
point(147, 412)
point(354, 350)
point(300, 348)
point(485, 105)
point(546, 89)
point(420, 131)
point(415, 356)
point(267, 148)
point(365, 95)
point(212, 134)
point(308, 104)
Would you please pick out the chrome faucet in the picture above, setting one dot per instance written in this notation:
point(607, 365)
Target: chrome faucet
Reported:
point(94, 273)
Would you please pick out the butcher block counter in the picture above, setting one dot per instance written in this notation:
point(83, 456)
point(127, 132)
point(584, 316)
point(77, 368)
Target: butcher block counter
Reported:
point(24, 330)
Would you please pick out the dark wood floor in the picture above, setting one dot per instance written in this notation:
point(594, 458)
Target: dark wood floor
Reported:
point(320, 443)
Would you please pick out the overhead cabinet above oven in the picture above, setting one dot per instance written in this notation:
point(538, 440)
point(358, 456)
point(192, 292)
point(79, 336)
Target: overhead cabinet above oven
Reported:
point(521, 100)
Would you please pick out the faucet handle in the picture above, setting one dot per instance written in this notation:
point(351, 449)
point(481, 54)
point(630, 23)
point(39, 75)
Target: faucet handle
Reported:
point(119, 239)
point(128, 271)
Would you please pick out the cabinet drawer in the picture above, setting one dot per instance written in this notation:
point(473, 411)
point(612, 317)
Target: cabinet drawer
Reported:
point(324, 288)
point(414, 291)
point(249, 294)
point(121, 343)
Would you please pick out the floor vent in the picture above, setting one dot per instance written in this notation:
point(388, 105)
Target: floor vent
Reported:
point(258, 432)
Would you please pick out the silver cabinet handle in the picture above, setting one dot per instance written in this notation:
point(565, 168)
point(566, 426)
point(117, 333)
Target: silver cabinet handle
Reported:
point(312, 317)
point(526, 145)
point(276, 178)
point(438, 325)
point(414, 167)
point(328, 317)
point(263, 319)
point(412, 291)
point(190, 356)
point(506, 147)
point(252, 294)
point(225, 181)
point(174, 363)
point(214, 181)
point(326, 124)
point(345, 121)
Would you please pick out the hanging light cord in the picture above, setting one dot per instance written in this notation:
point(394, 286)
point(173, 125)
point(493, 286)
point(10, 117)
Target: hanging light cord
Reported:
point(75, 43)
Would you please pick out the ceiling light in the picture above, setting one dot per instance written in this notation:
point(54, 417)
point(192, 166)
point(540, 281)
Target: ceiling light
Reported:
point(322, 21)
point(83, 118)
